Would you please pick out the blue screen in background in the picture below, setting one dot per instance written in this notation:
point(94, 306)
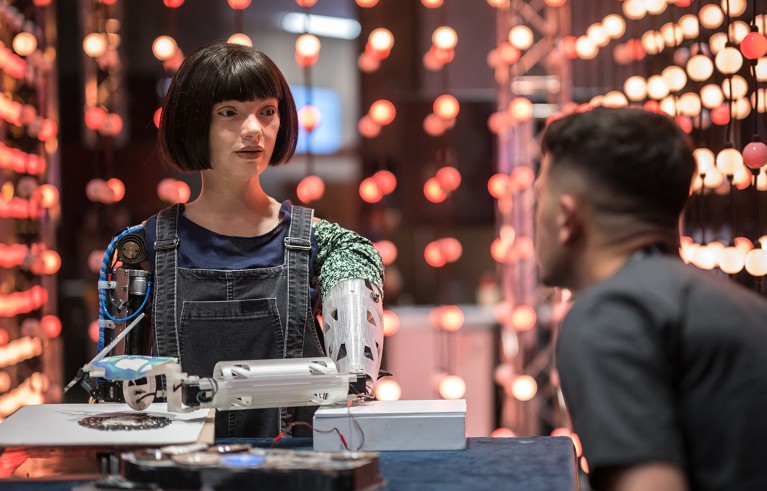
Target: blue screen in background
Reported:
point(326, 138)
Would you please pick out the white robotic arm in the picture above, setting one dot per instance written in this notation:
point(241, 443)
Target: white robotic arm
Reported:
point(257, 384)
point(247, 384)
point(352, 315)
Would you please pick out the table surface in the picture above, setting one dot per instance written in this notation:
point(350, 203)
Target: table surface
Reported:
point(532, 464)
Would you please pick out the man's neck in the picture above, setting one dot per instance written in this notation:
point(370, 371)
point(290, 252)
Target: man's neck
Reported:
point(605, 257)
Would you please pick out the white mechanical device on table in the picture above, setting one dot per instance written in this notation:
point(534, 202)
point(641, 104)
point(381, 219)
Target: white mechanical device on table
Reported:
point(353, 331)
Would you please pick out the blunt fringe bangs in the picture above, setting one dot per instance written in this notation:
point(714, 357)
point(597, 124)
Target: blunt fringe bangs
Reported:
point(218, 72)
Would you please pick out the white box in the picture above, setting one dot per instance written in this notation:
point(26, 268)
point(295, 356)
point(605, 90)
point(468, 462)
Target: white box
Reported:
point(392, 425)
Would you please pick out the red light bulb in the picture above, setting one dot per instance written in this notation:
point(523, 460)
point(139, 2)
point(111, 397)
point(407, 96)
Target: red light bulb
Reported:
point(755, 154)
point(754, 45)
point(720, 115)
point(239, 4)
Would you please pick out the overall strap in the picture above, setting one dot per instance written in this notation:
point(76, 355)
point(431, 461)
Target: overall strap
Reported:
point(298, 248)
point(166, 260)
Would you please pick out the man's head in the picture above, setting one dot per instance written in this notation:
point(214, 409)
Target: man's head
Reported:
point(619, 174)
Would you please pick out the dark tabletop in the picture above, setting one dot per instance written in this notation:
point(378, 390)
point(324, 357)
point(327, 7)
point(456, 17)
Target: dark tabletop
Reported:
point(530, 464)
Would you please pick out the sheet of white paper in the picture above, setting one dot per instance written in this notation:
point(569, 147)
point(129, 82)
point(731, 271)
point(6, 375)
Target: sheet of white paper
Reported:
point(56, 425)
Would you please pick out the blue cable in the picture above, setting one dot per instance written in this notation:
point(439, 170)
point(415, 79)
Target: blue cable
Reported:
point(103, 313)
point(134, 314)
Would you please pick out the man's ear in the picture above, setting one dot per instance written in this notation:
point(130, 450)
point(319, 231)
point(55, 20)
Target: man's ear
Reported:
point(570, 220)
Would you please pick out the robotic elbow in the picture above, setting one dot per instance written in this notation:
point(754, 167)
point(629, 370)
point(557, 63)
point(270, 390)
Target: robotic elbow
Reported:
point(352, 314)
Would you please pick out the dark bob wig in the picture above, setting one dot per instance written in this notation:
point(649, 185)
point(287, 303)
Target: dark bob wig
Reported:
point(219, 72)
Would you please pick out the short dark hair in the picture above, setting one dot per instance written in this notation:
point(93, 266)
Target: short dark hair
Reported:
point(641, 158)
point(218, 72)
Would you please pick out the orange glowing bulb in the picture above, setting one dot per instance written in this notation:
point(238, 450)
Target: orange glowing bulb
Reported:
point(369, 191)
point(523, 318)
point(391, 323)
point(157, 117)
point(387, 389)
point(500, 249)
point(446, 106)
point(311, 188)
point(24, 43)
point(450, 318)
point(386, 180)
point(51, 325)
point(387, 250)
point(48, 195)
point(367, 62)
point(521, 37)
point(449, 178)
point(521, 109)
point(95, 44)
point(173, 4)
point(524, 388)
point(305, 61)
point(451, 248)
point(239, 4)
point(241, 39)
point(433, 125)
point(382, 112)
point(164, 47)
point(95, 117)
point(498, 185)
point(368, 128)
point(112, 126)
point(51, 262)
point(433, 255)
point(433, 191)
point(183, 193)
point(522, 177)
point(452, 387)
point(93, 331)
point(444, 37)
point(366, 4)
point(310, 117)
point(308, 45)
point(381, 39)
point(503, 432)
point(117, 187)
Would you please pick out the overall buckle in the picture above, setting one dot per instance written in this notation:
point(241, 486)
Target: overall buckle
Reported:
point(298, 244)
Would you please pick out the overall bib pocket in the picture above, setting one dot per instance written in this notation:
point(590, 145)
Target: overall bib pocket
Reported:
point(213, 331)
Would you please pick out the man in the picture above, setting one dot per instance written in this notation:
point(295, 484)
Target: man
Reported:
point(663, 366)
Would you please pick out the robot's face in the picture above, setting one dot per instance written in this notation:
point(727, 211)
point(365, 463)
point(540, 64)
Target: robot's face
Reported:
point(242, 135)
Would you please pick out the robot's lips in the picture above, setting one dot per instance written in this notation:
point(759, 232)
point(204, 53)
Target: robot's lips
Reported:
point(250, 153)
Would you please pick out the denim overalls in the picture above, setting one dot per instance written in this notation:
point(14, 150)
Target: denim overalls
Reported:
point(203, 316)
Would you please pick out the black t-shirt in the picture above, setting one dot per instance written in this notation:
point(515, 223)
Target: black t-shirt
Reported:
point(665, 362)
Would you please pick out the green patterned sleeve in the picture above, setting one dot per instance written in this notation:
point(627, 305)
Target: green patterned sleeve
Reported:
point(344, 255)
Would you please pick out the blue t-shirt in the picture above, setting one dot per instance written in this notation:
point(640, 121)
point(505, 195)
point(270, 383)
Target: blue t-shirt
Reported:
point(200, 248)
